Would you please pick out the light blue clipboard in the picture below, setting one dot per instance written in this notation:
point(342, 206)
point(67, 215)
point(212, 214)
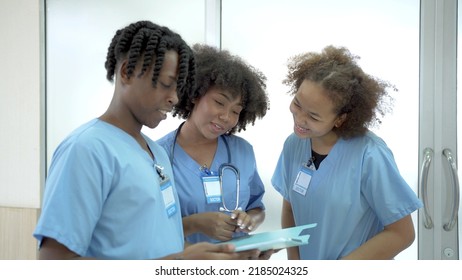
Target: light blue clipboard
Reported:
point(278, 239)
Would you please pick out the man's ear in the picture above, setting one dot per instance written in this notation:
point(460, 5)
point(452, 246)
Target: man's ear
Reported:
point(123, 72)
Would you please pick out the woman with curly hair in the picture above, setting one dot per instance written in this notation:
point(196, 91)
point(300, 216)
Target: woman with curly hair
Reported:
point(334, 171)
point(230, 94)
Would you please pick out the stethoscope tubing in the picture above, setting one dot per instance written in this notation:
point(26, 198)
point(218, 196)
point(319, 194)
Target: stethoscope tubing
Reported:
point(221, 169)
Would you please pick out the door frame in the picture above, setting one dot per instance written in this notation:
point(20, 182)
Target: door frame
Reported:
point(438, 180)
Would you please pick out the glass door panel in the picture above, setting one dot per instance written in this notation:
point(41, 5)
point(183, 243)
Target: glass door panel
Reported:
point(385, 34)
point(78, 33)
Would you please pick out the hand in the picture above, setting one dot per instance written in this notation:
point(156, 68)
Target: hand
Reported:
point(209, 251)
point(244, 221)
point(266, 255)
point(216, 225)
point(249, 255)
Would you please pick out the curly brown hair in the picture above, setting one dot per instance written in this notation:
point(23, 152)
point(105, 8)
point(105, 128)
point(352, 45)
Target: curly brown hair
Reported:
point(218, 68)
point(147, 41)
point(362, 97)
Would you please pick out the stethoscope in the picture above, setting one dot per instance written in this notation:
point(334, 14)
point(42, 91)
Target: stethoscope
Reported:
point(221, 170)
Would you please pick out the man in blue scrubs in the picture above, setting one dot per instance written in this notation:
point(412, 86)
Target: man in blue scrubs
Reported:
point(110, 192)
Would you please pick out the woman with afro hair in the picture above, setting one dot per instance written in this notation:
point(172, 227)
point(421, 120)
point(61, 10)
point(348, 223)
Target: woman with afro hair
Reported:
point(333, 171)
point(230, 94)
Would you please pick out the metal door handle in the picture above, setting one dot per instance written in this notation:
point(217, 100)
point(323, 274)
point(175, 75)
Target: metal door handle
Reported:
point(423, 186)
point(455, 183)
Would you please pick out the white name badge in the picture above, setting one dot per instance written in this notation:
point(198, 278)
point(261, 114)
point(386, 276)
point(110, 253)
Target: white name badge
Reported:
point(212, 189)
point(168, 197)
point(302, 182)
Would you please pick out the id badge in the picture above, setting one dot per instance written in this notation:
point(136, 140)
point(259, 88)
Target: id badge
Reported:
point(212, 189)
point(302, 182)
point(168, 197)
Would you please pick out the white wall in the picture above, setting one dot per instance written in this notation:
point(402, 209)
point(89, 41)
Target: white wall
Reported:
point(22, 147)
point(21, 120)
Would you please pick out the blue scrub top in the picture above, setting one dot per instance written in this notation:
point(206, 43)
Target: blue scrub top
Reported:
point(356, 191)
point(103, 199)
point(188, 177)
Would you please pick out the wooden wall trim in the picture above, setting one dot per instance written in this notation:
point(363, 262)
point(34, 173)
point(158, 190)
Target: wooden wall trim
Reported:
point(16, 228)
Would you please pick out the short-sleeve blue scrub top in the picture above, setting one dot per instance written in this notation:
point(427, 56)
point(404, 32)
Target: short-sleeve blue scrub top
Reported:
point(188, 178)
point(103, 198)
point(355, 192)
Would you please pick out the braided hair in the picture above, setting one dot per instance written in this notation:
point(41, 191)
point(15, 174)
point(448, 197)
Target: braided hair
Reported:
point(147, 41)
point(227, 72)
